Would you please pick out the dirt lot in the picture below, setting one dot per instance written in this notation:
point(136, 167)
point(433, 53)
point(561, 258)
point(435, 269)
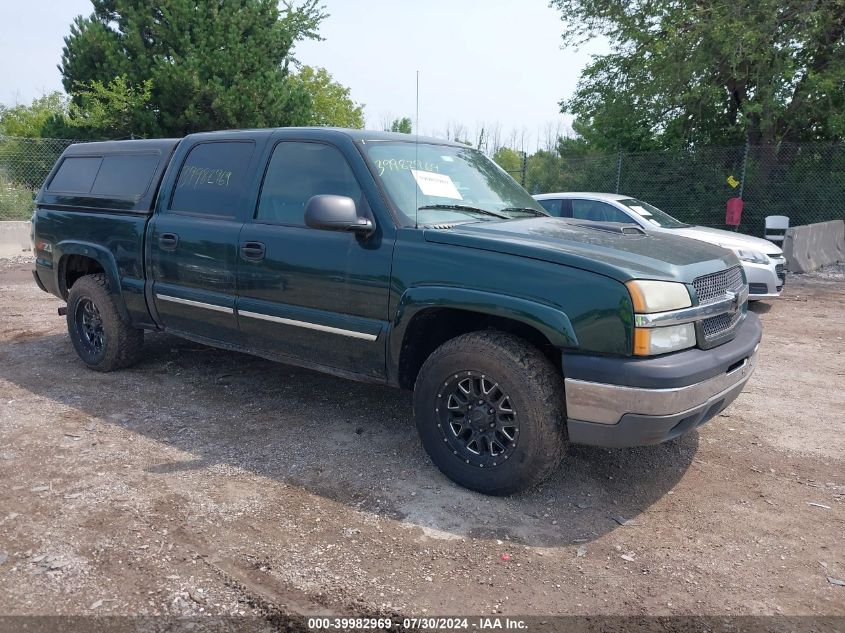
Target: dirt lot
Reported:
point(203, 481)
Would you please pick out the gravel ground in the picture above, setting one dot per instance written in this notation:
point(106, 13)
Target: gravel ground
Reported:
point(209, 482)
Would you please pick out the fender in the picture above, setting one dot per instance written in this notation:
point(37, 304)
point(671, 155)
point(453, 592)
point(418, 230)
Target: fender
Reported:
point(553, 323)
point(99, 254)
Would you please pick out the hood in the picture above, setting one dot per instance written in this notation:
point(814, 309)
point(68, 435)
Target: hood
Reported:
point(601, 249)
point(728, 238)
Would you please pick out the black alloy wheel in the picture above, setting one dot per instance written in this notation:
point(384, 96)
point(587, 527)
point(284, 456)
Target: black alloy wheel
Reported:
point(477, 419)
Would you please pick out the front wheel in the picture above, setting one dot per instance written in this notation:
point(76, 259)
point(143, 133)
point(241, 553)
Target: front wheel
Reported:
point(489, 408)
point(102, 339)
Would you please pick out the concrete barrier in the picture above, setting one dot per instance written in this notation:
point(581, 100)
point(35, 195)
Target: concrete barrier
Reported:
point(14, 239)
point(809, 247)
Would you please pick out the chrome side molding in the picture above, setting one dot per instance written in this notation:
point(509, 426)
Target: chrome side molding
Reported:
point(308, 325)
point(196, 304)
point(267, 317)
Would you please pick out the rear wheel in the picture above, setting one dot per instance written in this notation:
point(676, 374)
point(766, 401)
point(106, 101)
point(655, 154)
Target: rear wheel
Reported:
point(489, 408)
point(102, 339)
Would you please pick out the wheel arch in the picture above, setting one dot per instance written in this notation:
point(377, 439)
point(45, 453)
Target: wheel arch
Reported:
point(76, 259)
point(429, 316)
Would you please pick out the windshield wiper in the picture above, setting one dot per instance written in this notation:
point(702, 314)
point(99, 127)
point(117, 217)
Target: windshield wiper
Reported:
point(526, 209)
point(464, 207)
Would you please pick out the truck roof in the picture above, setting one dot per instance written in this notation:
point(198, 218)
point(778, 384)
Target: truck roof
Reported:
point(334, 132)
point(164, 145)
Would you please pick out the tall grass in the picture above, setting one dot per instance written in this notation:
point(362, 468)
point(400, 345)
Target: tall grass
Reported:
point(16, 201)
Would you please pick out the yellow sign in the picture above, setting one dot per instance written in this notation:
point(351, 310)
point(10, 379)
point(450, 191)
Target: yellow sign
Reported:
point(733, 182)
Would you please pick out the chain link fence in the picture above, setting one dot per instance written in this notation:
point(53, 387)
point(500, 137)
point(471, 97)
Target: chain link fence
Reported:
point(24, 164)
point(805, 182)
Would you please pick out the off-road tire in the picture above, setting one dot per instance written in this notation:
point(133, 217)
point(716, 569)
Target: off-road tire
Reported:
point(120, 344)
point(529, 379)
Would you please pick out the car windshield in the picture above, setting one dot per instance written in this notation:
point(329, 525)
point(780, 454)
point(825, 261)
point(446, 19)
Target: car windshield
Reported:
point(442, 184)
point(652, 214)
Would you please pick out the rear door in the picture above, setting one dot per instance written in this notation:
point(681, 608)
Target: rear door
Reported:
point(317, 296)
point(193, 240)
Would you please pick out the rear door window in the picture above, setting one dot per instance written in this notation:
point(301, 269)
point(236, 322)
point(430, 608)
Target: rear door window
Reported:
point(552, 206)
point(76, 174)
point(213, 179)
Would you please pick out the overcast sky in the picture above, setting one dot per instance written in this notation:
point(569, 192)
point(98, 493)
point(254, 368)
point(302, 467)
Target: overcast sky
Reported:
point(479, 61)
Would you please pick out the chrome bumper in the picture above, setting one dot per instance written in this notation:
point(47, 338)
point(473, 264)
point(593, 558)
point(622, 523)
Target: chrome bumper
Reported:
point(601, 403)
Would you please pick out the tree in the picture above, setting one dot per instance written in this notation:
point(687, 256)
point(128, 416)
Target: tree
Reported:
point(543, 172)
point(29, 120)
point(402, 125)
point(115, 110)
point(508, 159)
point(331, 104)
point(693, 72)
point(212, 64)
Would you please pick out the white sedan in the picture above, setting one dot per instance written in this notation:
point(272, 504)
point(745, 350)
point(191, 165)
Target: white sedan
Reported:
point(762, 260)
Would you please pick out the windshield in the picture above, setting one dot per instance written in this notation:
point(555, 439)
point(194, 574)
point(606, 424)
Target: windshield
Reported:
point(442, 184)
point(652, 214)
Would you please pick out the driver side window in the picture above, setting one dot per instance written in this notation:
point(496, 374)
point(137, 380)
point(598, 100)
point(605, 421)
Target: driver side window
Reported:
point(297, 172)
point(597, 211)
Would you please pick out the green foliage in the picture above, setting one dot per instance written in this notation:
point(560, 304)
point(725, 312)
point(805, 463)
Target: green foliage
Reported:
point(402, 125)
point(31, 120)
point(331, 104)
point(16, 201)
point(213, 65)
point(508, 159)
point(543, 173)
point(113, 110)
point(686, 72)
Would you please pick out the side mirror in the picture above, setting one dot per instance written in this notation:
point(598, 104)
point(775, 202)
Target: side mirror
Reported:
point(335, 213)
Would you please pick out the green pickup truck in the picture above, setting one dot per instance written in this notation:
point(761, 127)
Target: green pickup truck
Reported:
point(412, 262)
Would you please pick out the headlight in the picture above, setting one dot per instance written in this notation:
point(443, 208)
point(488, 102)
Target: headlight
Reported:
point(660, 340)
point(747, 255)
point(658, 296)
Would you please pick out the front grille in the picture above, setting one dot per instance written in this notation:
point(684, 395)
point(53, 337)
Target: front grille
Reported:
point(716, 326)
point(712, 287)
point(780, 271)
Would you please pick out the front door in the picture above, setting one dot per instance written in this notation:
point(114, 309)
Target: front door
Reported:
point(317, 296)
point(193, 242)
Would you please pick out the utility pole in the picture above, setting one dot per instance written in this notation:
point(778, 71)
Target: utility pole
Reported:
point(524, 168)
point(618, 169)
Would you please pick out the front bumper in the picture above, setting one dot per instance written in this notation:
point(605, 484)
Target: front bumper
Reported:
point(765, 281)
point(656, 399)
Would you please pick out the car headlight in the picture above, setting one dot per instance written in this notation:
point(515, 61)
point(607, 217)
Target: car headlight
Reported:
point(658, 296)
point(648, 297)
point(649, 341)
point(748, 255)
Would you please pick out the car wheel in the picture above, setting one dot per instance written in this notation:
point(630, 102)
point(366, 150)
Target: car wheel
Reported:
point(489, 409)
point(102, 339)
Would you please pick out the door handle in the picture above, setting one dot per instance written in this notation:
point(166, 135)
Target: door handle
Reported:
point(168, 241)
point(253, 251)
